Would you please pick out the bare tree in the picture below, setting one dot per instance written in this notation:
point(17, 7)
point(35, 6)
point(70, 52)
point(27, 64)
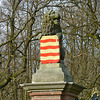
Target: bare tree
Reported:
point(20, 24)
point(19, 32)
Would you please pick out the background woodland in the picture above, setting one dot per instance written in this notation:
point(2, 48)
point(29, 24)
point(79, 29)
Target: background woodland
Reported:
point(20, 25)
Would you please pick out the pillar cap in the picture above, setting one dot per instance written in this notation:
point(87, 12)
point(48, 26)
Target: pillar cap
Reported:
point(52, 86)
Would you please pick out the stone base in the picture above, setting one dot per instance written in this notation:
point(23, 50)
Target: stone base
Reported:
point(53, 90)
point(55, 72)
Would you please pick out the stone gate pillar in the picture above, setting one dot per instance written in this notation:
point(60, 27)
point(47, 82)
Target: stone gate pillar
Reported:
point(53, 90)
point(52, 81)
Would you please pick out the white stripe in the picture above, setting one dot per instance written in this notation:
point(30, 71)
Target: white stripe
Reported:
point(50, 58)
point(49, 37)
point(50, 51)
point(49, 44)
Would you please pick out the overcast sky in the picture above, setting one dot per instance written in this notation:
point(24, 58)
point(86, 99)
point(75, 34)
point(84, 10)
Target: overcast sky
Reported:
point(0, 2)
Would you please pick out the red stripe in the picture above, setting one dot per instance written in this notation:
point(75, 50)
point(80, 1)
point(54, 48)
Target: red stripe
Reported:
point(49, 54)
point(49, 40)
point(49, 61)
point(49, 47)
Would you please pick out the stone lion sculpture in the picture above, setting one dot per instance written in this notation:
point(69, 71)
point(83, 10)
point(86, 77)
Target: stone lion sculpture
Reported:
point(51, 23)
point(51, 26)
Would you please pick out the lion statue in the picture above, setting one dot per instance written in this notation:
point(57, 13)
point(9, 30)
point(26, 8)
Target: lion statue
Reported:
point(51, 23)
point(51, 26)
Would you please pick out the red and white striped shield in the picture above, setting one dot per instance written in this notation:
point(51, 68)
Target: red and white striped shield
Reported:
point(49, 49)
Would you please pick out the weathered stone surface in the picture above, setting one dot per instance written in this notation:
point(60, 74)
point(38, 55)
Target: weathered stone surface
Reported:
point(50, 90)
point(53, 86)
point(55, 72)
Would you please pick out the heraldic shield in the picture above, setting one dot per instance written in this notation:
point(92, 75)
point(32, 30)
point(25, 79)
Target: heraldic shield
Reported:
point(49, 49)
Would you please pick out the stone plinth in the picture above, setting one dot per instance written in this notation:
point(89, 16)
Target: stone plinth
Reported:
point(54, 72)
point(53, 90)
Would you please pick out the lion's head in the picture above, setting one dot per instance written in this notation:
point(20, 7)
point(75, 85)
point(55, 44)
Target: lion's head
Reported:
point(51, 23)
